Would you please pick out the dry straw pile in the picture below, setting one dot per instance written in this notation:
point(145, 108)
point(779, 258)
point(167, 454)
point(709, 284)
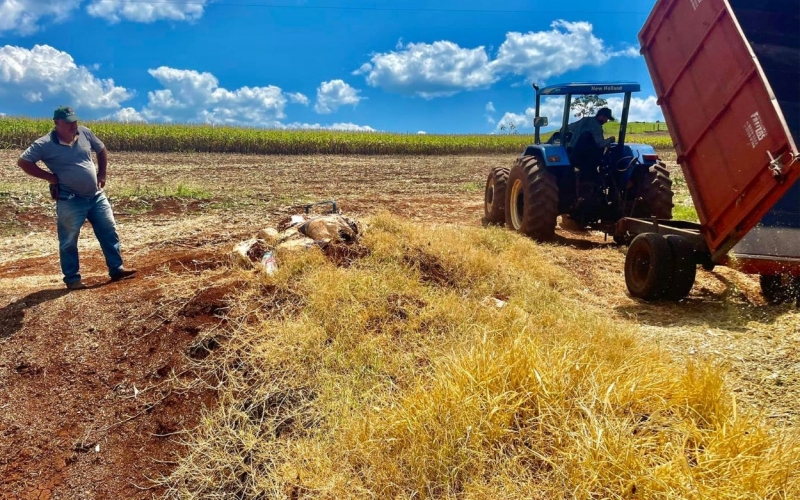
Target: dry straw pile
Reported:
point(454, 363)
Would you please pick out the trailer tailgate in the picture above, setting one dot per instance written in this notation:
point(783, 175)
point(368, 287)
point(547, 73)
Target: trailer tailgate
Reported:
point(773, 246)
point(727, 77)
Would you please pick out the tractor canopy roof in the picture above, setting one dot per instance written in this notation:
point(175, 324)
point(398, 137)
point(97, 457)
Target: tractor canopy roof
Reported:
point(590, 88)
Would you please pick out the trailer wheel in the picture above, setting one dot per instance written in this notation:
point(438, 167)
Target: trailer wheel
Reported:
point(684, 271)
point(494, 207)
point(532, 199)
point(656, 195)
point(648, 266)
point(778, 289)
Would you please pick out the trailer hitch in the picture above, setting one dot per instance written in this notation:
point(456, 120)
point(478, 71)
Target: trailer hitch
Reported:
point(776, 167)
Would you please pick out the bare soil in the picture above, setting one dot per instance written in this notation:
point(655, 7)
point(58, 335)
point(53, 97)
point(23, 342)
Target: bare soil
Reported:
point(96, 386)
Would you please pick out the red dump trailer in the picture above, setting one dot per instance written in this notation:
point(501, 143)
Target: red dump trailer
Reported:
point(727, 77)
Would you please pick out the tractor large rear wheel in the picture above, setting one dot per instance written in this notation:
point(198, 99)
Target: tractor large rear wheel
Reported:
point(656, 194)
point(532, 199)
point(494, 206)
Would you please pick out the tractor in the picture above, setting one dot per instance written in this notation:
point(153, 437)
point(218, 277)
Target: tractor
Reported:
point(544, 182)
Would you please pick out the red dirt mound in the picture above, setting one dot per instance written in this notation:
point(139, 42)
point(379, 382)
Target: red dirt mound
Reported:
point(96, 383)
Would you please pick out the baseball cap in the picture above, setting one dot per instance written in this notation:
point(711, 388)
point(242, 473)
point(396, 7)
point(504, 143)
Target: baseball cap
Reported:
point(607, 113)
point(65, 113)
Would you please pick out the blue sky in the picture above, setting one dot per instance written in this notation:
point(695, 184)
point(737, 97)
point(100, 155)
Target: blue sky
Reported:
point(404, 66)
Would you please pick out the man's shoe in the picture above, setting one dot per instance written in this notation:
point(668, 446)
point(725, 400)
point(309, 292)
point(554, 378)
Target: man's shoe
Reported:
point(122, 274)
point(76, 285)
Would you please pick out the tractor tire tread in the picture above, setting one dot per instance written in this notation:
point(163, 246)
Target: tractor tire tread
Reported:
point(657, 197)
point(648, 278)
point(540, 212)
point(684, 271)
point(495, 210)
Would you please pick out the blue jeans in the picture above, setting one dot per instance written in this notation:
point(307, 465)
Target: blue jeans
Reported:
point(72, 211)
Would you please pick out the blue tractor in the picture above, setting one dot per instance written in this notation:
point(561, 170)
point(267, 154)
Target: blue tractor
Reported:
point(544, 182)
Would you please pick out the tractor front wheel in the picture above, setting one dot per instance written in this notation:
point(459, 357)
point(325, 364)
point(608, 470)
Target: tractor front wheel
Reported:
point(531, 205)
point(494, 206)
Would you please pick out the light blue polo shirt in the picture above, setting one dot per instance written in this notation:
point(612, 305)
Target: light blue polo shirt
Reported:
point(73, 165)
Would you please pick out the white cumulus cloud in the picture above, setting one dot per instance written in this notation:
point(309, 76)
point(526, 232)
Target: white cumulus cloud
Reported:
point(115, 11)
point(192, 96)
point(641, 110)
point(489, 110)
point(443, 68)
point(47, 74)
point(24, 16)
point(352, 127)
point(551, 107)
point(515, 121)
point(126, 115)
point(334, 94)
point(349, 127)
point(628, 52)
point(298, 98)
point(429, 70)
point(544, 54)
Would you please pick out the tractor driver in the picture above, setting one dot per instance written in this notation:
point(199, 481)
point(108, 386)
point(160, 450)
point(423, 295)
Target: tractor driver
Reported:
point(587, 144)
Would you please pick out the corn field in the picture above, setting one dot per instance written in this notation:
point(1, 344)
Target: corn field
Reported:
point(18, 133)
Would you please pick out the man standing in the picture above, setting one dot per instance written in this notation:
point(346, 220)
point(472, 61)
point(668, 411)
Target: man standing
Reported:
point(587, 143)
point(78, 189)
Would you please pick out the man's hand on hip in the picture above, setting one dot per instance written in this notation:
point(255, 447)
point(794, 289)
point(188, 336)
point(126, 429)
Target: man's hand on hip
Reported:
point(33, 170)
point(101, 181)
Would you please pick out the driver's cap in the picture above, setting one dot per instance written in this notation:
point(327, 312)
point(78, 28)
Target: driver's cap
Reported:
point(607, 113)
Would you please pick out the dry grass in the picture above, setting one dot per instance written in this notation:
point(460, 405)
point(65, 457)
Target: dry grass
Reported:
point(400, 377)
